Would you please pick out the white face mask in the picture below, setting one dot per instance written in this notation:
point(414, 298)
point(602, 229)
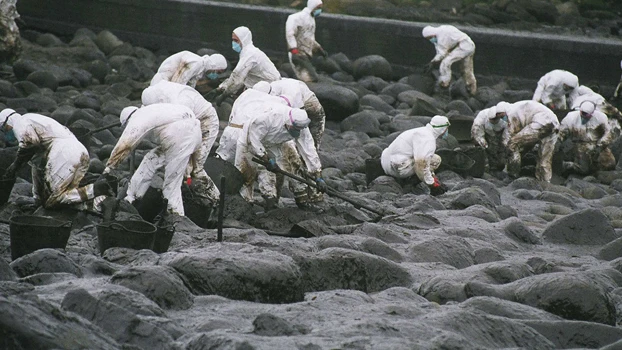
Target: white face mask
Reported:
point(499, 126)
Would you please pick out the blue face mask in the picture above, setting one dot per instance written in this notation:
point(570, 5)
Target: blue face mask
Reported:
point(9, 137)
point(212, 76)
point(505, 118)
point(295, 133)
point(236, 46)
point(317, 12)
point(445, 134)
point(433, 40)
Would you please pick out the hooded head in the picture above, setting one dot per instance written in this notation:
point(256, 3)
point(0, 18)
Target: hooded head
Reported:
point(428, 31)
point(298, 120)
point(126, 113)
point(245, 36)
point(312, 4)
point(502, 108)
point(215, 62)
point(587, 109)
point(263, 86)
point(5, 117)
point(439, 125)
point(570, 81)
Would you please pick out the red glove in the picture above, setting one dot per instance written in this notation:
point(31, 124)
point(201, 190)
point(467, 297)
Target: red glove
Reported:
point(294, 51)
point(436, 183)
point(189, 181)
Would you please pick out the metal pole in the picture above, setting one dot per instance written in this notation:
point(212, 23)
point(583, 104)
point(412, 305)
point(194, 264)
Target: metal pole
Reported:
point(221, 207)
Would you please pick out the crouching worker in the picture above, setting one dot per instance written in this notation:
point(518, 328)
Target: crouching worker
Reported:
point(490, 131)
point(412, 153)
point(58, 160)
point(271, 129)
point(531, 124)
point(589, 131)
point(178, 135)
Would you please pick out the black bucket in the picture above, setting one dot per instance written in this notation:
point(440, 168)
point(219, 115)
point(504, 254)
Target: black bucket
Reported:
point(31, 232)
point(216, 167)
point(150, 205)
point(6, 186)
point(455, 161)
point(195, 208)
point(163, 237)
point(125, 234)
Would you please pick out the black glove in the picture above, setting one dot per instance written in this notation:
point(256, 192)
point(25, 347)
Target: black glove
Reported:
point(321, 185)
point(437, 188)
point(10, 171)
point(210, 96)
point(219, 99)
point(324, 53)
point(271, 164)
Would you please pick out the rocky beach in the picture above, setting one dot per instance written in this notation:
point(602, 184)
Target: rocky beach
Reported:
point(494, 263)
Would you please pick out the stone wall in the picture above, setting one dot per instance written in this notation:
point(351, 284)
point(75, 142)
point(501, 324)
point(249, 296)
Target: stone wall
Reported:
point(191, 24)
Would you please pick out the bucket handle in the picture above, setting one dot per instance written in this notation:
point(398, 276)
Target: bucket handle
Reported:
point(118, 226)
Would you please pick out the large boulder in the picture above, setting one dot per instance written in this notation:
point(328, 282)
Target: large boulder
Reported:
point(373, 65)
point(239, 272)
point(121, 324)
point(339, 102)
point(579, 296)
point(339, 268)
point(588, 226)
point(159, 283)
point(365, 121)
point(454, 251)
point(45, 261)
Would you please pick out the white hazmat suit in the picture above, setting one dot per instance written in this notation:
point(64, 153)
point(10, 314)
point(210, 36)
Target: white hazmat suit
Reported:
point(187, 68)
point(452, 45)
point(530, 123)
point(300, 96)
point(554, 87)
point(266, 132)
point(254, 66)
point(589, 130)
point(412, 152)
point(58, 160)
point(244, 108)
point(491, 133)
point(301, 43)
point(178, 135)
point(584, 93)
point(168, 92)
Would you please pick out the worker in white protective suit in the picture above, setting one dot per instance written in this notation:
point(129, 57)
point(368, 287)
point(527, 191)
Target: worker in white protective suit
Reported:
point(298, 94)
point(589, 131)
point(254, 66)
point(58, 160)
point(530, 123)
point(584, 93)
point(265, 134)
point(555, 88)
point(452, 45)
point(178, 135)
point(187, 68)
point(301, 43)
point(412, 153)
point(490, 131)
point(168, 92)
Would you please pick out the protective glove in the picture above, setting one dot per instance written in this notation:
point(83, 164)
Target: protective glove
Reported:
point(270, 163)
point(483, 144)
point(219, 99)
point(323, 52)
point(294, 51)
point(437, 188)
point(321, 185)
point(210, 96)
point(10, 171)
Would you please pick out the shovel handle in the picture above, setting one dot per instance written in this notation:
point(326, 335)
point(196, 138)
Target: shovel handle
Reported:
point(99, 129)
point(330, 191)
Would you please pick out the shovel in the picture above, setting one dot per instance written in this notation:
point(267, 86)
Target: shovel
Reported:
point(94, 131)
point(330, 191)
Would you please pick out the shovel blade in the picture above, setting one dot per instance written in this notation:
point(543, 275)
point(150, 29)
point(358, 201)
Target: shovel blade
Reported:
point(216, 167)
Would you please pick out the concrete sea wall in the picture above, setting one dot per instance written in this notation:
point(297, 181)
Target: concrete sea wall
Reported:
point(190, 24)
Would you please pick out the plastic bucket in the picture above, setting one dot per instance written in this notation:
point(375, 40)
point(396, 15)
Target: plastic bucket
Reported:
point(150, 205)
point(133, 234)
point(6, 186)
point(30, 232)
point(163, 237)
